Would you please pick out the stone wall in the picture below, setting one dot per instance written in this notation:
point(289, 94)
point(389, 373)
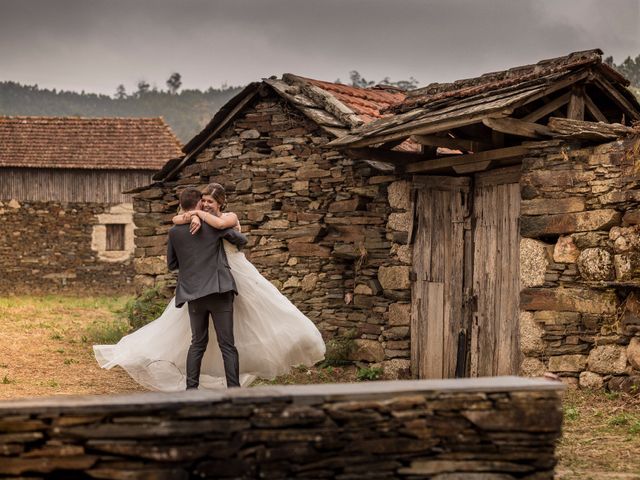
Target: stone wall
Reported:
point(580, 263)
point(53, 247)
point(329, 232)
point(503, 427)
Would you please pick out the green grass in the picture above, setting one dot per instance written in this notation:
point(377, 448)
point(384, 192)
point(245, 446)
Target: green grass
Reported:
point(106, 332)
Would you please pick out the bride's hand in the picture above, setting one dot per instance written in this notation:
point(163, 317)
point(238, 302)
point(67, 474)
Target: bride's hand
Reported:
point(195, 225)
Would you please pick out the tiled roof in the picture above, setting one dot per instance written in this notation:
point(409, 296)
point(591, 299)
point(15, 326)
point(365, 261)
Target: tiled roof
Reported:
point(368, 103)
point(459, 89)
point(92, 143)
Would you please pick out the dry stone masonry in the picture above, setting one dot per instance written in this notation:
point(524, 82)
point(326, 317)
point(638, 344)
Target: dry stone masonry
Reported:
point(329, 232)
point(504, 428)
point(580, 263)
point(47, 247)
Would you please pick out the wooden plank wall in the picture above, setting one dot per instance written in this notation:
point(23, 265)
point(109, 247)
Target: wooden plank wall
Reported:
point(437, 290)
point(495, 348)
point(70, 185)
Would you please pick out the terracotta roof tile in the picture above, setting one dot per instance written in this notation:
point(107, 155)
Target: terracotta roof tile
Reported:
point(80, 142)
point(368, 103)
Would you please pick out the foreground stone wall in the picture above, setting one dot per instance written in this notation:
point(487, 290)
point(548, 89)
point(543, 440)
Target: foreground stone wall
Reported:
point(329, 232)
point(580, 262)
point(504, 427)
point(51, 247)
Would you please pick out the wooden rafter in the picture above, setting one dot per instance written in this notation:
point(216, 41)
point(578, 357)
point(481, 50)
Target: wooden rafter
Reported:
point(514, 126)
point(472, 162)
point(593, 109)
point(450, 142)
point(547, 108)
point(618, 97)
point(390, 156)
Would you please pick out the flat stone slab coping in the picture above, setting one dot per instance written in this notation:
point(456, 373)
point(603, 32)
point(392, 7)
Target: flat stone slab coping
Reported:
point(300, 394)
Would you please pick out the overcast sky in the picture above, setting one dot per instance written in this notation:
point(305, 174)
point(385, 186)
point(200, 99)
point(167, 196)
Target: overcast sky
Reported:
point(94, 45)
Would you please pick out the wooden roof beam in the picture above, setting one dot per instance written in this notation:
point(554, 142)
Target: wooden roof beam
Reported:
point(616, 96)
point(389, 156)
point(575, 110)
point(547, 108)
point(593, 109)
point(450, 142)
point(473, 162)
point(513, 126)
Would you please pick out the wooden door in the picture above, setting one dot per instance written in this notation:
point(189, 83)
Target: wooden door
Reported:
point(496, 273)
point(441, 214)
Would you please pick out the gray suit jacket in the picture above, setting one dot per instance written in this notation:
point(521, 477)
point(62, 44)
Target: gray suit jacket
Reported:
point(201, 261)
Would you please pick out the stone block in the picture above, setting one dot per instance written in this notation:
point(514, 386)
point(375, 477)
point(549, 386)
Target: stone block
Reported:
point(547, 206)
point(400, 222)
point(396, 369)
point(399, 195)
point(567, 363)
point(596, 264)
point(565, 250)
point(394, 278)
point(230, 151)
point(562, 299)
point(14, 204)
point(367, 351)
point(533, 262)
point(399, 314)
point(608, 359)
point(633, 353)
point(301, 249)
point(630, 384)
point(292, 282)
point(590, 380)
point(350, 205)
point(532, 367)
point(250, 134)
point(530, 334)
point(307, 172)
point(631, 217)
point(538, 226)
point(627, 266)
point(150, 265)
point(309, 282)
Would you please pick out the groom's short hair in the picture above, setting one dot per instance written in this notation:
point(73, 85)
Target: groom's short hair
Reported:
point(189, 198)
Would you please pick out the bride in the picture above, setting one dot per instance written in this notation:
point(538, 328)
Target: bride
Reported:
point(271, 334)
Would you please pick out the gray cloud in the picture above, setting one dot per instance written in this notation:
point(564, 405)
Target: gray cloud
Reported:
point(95, 45)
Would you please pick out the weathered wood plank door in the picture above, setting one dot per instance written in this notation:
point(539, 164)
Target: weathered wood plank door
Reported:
point(496, 273)
point(441, 214)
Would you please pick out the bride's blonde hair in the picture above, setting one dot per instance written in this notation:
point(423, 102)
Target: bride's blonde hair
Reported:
point(218, 193)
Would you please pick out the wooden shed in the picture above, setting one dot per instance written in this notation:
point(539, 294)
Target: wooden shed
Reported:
point(67, 223)
point(468, 210)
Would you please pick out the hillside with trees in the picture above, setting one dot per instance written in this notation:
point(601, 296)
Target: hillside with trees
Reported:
point(186, 111)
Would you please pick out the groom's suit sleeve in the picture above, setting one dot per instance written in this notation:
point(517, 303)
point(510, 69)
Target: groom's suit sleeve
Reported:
point(172, 258)
point(234, 237)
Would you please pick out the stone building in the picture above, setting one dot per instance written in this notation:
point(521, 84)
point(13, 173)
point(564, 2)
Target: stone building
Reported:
point(398, 219)
point(67, 225)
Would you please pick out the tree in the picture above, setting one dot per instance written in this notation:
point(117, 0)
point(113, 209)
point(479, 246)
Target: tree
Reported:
point(143, 87)
point(358, 81)
point(121, 92)
point(630, 68)
point(174, 82)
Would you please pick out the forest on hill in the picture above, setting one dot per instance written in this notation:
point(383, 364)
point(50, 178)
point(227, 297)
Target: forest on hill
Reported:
point(187, 111)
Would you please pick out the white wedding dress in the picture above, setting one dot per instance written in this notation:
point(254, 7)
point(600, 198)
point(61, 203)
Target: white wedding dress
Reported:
point(271, 336)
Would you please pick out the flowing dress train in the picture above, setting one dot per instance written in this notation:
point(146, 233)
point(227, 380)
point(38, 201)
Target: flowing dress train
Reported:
point(271, 336)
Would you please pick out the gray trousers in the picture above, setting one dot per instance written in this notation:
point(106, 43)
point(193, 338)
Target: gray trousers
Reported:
point(220, 307)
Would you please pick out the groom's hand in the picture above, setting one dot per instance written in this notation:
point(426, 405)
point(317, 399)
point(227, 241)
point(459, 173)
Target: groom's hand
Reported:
point(195, 224)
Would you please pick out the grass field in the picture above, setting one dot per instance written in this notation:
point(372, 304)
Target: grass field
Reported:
point(45, 349)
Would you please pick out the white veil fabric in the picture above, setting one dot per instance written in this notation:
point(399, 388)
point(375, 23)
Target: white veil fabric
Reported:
point(271, 336)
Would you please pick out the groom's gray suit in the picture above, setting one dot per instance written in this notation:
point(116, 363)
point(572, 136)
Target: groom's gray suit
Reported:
point(205, 281)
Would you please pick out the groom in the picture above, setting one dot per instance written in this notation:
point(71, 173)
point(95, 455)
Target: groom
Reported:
point(205, 281)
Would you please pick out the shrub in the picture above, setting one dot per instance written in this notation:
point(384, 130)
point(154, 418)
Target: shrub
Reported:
point(368, 373)
point(145, 308)
point(106, 333)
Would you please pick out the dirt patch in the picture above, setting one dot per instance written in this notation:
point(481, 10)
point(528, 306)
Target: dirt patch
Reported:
point(601, 436)
point(46, 346)
point(45, 349)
